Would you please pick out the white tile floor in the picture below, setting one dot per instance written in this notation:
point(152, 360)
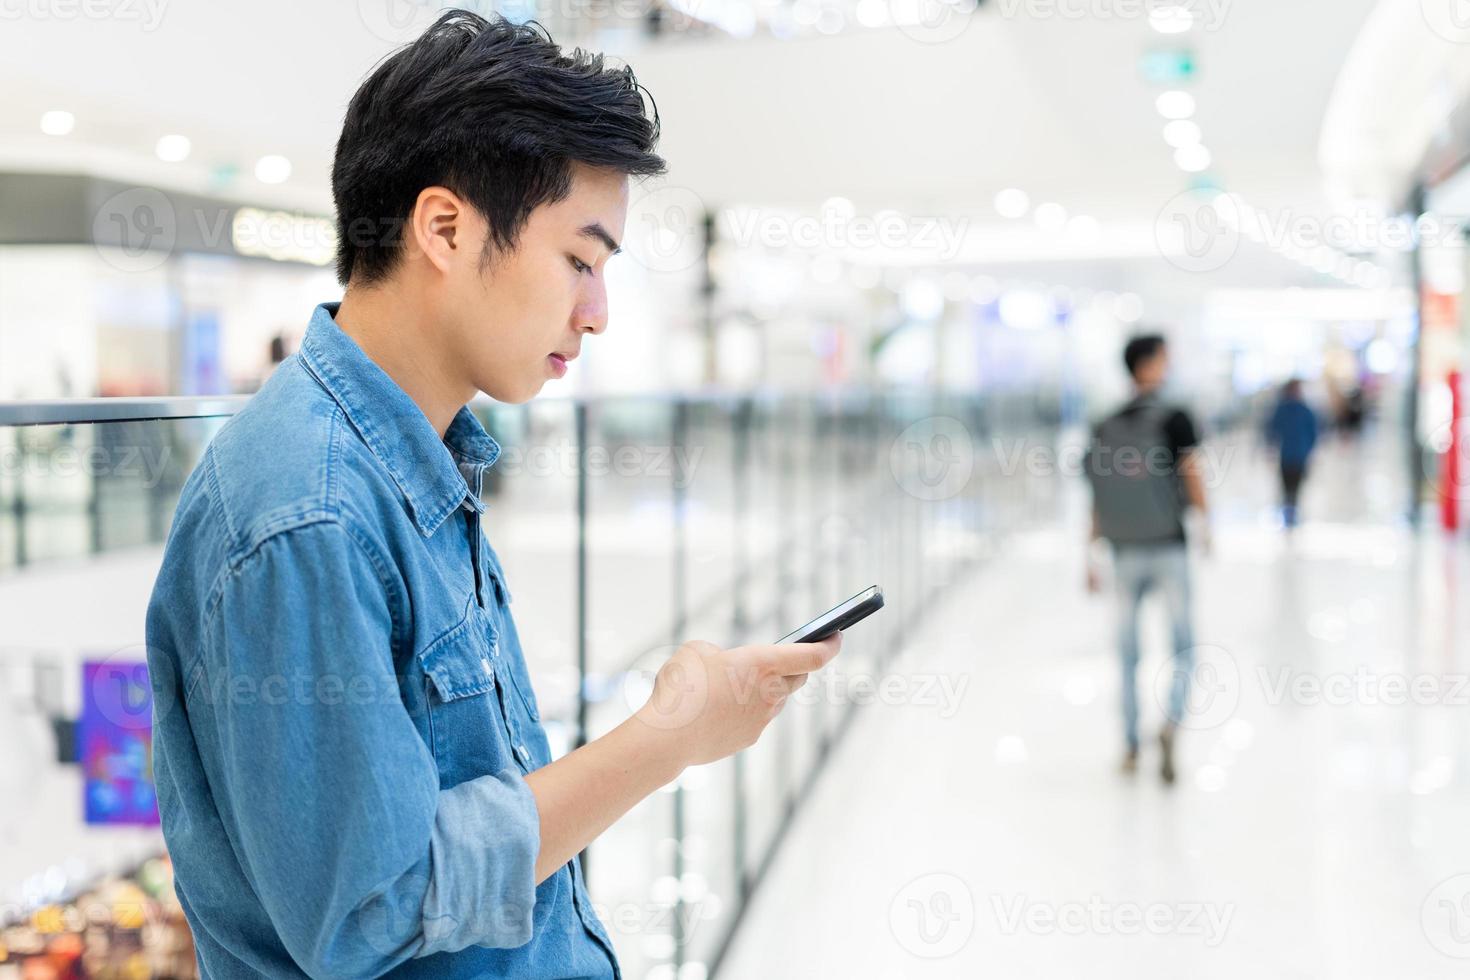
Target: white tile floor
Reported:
point(1312, 833)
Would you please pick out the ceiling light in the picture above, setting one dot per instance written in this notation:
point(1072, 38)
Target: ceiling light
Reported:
point(1192, 158)
point(272, 169)
point(1182, 132)
point(1172, 19)
point(1050, 216)
point(57, 122)
point(872, 13)
point(1084, 229)
point(173, 148)
point(840, 208)
point(1011, 203)
point(1175, 104)
point(1128, 307)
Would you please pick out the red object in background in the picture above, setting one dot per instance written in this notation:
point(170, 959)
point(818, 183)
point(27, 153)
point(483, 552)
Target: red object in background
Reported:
point(1450, 484)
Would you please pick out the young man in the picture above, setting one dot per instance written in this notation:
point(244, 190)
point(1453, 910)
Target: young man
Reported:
point(351, 771)
point(1145, 470)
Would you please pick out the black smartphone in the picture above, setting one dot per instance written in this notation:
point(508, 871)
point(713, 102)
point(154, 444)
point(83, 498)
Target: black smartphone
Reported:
point(834, 620)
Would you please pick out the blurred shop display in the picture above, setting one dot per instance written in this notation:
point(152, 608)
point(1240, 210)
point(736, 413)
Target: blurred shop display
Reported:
point(125, 927)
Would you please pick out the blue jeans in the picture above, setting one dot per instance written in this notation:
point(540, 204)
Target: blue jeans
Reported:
point(1139, 568)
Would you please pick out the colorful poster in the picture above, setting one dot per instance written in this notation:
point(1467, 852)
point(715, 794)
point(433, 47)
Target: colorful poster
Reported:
point(115, 738)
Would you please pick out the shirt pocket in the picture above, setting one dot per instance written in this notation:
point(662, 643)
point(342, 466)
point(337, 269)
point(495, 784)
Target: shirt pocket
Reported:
point(466, 726)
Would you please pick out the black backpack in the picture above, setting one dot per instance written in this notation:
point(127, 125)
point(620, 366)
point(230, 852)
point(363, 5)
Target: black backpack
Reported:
point(1134, 476)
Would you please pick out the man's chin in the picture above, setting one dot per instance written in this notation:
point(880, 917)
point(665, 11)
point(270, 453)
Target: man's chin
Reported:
point(514, 394)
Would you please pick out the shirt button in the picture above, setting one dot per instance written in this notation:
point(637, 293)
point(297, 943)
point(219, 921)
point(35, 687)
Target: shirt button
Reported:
point(521, 751)
point(485, 662)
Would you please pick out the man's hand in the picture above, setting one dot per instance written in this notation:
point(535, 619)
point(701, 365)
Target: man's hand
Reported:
point(719, 701)
point(707, 703)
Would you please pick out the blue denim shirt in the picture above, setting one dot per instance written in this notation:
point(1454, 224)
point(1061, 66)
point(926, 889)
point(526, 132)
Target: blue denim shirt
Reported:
point(342, 718)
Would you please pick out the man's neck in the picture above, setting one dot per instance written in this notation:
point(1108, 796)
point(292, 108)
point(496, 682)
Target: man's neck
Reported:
point(391, 330)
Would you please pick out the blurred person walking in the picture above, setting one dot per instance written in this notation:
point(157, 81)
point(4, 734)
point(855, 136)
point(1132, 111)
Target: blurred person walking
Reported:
point(1292, 431)
point(1145, 470)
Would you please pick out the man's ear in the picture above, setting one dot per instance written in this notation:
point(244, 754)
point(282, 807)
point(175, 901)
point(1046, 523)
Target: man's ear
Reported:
point(437, 226)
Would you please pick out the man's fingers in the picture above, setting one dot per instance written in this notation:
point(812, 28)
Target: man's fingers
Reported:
point(788, 659)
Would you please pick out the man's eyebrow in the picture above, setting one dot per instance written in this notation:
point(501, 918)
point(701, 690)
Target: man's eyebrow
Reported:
point(597, 232)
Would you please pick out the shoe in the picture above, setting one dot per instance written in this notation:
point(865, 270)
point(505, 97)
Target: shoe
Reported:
point(1166, 743)
point(1130, 762)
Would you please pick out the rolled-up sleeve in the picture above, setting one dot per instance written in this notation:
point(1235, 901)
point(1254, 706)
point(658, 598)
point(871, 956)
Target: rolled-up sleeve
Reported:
point(329, 794)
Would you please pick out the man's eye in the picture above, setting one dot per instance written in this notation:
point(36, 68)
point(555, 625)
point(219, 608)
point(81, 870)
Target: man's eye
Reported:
point(578, 264)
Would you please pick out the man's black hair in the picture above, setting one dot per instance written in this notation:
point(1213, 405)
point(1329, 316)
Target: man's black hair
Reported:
point(494, 111)
point(1140, 349)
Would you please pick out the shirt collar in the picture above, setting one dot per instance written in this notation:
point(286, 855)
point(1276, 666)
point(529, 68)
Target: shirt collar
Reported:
point(436, 476)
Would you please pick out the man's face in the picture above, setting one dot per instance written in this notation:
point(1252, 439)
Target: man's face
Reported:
point(1152, 373)
point(515, 320)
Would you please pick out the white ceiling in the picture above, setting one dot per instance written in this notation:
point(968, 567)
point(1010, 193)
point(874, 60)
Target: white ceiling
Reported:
point(1054, 105)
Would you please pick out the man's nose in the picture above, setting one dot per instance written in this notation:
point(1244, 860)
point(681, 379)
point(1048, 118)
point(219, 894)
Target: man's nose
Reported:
point(590, 315)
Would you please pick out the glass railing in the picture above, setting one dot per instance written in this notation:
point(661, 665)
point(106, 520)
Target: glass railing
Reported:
point(625, 526)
